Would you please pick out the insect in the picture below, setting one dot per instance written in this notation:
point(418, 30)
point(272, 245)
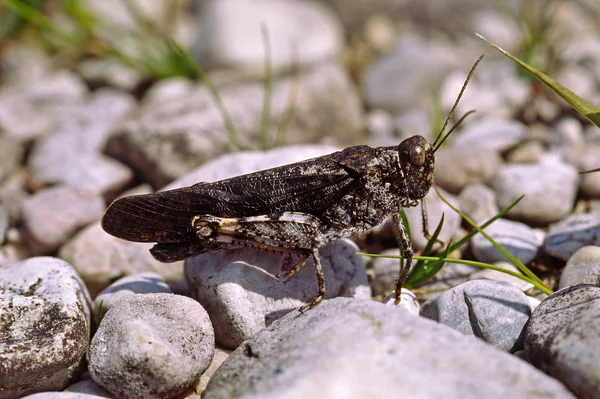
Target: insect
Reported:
point(294, 209)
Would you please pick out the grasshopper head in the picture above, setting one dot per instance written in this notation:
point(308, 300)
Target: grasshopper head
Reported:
point(417, 162)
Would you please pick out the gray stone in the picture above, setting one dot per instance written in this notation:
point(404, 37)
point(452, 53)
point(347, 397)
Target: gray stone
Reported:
point(527, 152)
point(492, 311)
point(45, 326)
point(12, 194)
point(32, 107)
point(550, 188)
point(147, 347)
point(562, 338)
point(218, 358)
point(449, 276)
point(88, 388)
point(66, 395)
point(55, 214)
point(457, 167)
point(435, 209)
point(408, 302)
point(567, 136)
point(106, 71)
point(405, 76)
point(239, 290)
point(583, 267)
point(311, 34)
point(351, 348)
point(496, 135)
point(139, 283)
point(586, 158)
point(494, 275)
point(11, 153)
point(478, 202)
point(177, 134)
point(576, 231)
point(101, 259)
point(9, 254)
point(517, 238)
point(4, 223)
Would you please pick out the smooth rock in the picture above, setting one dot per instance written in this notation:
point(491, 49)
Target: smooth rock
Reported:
point(55, 214)
point(231, 34)
point(405, 76)
point(147, 347)
point(109, 72)
point(576, 231)
point(586, 158)
point(457, 167)
point(567, 136)
point(583, 267)
point(478, 202)
point(13, 193)
point(218, 358)
point(348, 348)
point(517, 238)
point(492, 311)
point(4, 223)
point(88, 388)
point(494, 275)
point(527, 152)
point(449, 276)
point(408, 301)
point(239, 290)
point(498, 135)
point(101, 259)
point(174, 135)
point(435, 209)
point(67, 395)
point(549, 187)
point(11, 153)
point(139, 283)
point(45, 313)
point(562, 338)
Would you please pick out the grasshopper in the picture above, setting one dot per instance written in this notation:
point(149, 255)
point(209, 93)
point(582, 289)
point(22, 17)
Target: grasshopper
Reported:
point(294, 209)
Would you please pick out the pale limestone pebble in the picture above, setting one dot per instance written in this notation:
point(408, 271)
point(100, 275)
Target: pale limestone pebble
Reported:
point(9, 254)
point(13, 193)
point(576, 231)
point(517, 238)
point(11, 153)
point(101, 258)
point(492, 311)
point(139, 283)
point(458, 167)
point(54, 215)
point(106, 71)
point(528, 152)
point(88, 388)
point(435, 209)
point(583, 267)
point(494, 275)
point(4, 223)
point(218, 358)
point(171, 137)
point(587, 158)
point(408, 302)
point(45, 323)
point(478, 202)
point(549, 187)
point(350, 348)
point(230, 34)
point(147, 347)
point(31, 107)
point(499, 135)
point(405, 76)
point(239, 290)
point(567, 135)
point(562, 338)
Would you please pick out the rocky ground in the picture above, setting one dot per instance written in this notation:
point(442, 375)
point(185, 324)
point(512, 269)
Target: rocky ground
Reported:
point(84, 314)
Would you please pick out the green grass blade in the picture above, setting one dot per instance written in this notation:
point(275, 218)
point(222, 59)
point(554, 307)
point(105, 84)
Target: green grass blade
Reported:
point(424, 270)
point(583, 107)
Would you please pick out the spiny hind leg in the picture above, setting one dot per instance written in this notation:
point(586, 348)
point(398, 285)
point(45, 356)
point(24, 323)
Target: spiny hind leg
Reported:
point(320, 281)
point(288, 271)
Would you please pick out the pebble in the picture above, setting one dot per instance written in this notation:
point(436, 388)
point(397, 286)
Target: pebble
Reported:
point(562, 338)
point(478, 202)
point(101, 258)
point(87, 388)
point(494, 275)
point(408, 302)
point(53, 215)
point(11, 153)
point(567, 136)
point(351, 348)
point(457, 167)
point(4, 223)
point(549, 187)
point(139, 283)
point(231, 34)
point(12, 194)
point(583, 267)
point(175, 135)
point(492, 311)
point(570, 234)
point(527, 152)
point(45, 326)
point(584, 159)
point(517, 238)
point(405, 76)
point(218, 358)
point(435, 209)
point(99, 72)
point(492, 134)
point(146, 347)
point(449, 276)
point(239, 290)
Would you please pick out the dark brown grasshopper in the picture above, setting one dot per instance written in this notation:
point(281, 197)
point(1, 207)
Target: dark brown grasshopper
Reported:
point(294, 208)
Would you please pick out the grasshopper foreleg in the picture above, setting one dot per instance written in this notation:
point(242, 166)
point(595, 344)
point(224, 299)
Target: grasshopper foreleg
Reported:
point(407, 253)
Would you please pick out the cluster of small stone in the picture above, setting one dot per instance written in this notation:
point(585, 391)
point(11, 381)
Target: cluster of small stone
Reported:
point(85, 315)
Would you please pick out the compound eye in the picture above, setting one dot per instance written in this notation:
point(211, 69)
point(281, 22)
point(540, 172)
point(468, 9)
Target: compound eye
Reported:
point(417, 155)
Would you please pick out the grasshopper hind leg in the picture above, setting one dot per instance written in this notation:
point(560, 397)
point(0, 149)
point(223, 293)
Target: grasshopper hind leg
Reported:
point(320, 280)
